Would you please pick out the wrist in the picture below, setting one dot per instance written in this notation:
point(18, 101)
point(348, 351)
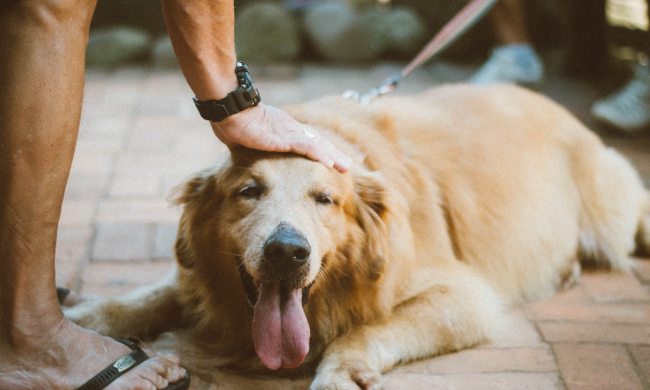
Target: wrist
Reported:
point(244, 97)
point(218, 85)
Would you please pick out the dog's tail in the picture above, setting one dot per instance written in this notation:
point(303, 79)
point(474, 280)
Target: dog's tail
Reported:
point(615, 208)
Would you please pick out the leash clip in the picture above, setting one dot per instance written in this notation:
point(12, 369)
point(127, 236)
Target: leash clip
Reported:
point(389, 85)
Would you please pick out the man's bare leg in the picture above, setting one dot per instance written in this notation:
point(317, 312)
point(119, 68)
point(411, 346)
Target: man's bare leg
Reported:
point(42, 46)
point(508, 20)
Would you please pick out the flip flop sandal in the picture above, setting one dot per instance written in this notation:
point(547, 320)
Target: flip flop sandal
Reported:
point(122, 366)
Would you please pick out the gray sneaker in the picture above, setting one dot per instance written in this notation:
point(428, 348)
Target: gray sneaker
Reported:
point(628, 109)
point(511, 64)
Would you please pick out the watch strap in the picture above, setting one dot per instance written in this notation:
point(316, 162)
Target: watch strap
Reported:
point(244, 97)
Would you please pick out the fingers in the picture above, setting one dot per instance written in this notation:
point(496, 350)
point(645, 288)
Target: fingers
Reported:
point(269, 129)
point(318, 148)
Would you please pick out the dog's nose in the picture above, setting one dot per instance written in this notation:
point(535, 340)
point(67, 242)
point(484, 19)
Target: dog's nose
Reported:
point(286, 247)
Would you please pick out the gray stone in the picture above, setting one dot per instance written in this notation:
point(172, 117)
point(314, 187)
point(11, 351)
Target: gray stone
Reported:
point(405, 30)
point(340, 33)
point(265, 32)
point(116, 45)
point(163, 54)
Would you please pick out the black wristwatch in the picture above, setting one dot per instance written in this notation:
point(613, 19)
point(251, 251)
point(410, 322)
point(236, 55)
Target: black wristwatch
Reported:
point(244, 97)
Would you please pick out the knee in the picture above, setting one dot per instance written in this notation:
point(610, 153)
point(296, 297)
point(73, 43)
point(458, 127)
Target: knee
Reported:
point(51, 13)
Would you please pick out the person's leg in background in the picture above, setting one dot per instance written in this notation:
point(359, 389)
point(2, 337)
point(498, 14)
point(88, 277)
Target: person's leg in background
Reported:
point(42, 51)
point(514, 60)
point(628, 108)
point(587, 54)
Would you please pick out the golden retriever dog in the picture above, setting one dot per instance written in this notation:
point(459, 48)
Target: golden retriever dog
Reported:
point(461, 200)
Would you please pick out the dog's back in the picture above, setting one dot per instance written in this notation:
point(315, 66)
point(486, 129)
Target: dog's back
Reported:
point(526, 189)
point(526, 186)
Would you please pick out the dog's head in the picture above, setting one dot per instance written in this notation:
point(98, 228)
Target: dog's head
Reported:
point(280, 222)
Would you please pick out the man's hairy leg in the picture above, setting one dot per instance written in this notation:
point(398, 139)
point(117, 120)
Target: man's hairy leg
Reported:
point(42, 46)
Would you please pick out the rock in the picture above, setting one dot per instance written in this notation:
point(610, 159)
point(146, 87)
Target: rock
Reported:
point(265, 32)
point(405, 30)
point(142, 14)
point(339, 33)
point(474, 45)
point(163, 54)
point(116, 45)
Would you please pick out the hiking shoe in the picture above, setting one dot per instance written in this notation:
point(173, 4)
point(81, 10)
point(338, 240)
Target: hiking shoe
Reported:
point(511, 64)
point(628, 109)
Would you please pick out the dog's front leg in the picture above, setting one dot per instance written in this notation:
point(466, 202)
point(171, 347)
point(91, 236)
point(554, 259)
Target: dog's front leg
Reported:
point(458, 313)
point(144, 313)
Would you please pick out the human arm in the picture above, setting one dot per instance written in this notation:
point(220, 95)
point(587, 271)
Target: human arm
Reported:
point(202, 33)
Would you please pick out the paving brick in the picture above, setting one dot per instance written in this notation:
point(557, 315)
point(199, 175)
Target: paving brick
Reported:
point(574, 295)
point(496, 381)
point(172, 182)
point(138, 211)
point(71, 250)
point(643, 270)
point(77, 213)
point(614, 287)
point(594, 332)
point(125, 185)
point(100, 142)
point(641, 356)
point(610, 313)
point(115, 279)
point(165, 237)
point(163, 105)
point(538, 359)
point(102, 127)
point(134, 162)
point(122, 241)
point(86, 187)
point(92, 162)
point(517, 332)
point(152, 139)
point(596, 367)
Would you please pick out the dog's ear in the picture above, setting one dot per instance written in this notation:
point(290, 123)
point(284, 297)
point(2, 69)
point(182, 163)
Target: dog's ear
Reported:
point(196, 195)
point(192, 188)
point(371, 214)
point(182, 248)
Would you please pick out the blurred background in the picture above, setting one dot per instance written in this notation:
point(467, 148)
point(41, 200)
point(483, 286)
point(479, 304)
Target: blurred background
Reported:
point(355, 32)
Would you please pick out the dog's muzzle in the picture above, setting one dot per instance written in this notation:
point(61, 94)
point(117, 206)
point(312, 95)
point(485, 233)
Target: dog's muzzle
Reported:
point(285, 260)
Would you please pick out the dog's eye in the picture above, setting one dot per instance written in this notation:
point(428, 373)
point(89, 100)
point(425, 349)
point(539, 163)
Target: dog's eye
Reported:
point(323, 199)
point(250, 191)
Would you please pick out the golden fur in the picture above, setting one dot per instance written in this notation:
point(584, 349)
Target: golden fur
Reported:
point(460, 199)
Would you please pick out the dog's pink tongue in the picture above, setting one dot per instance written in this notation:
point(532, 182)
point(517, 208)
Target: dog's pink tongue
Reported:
point(280, 328)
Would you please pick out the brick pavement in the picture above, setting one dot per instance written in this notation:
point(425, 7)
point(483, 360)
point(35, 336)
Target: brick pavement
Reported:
point(140, 136)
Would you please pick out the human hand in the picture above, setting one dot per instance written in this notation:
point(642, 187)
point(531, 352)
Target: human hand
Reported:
point(267, 128)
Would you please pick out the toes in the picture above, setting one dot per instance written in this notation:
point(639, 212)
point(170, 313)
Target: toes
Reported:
point(166, 368)
point(155, 373)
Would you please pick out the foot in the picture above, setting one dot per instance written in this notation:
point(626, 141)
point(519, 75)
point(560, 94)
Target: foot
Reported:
point(68, 356)
point(628, 109)
point(511, 64)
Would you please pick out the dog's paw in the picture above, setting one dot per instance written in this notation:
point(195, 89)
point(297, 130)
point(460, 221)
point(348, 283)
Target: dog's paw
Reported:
point(347, 376)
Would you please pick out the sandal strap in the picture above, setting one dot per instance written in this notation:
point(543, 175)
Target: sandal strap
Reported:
point(118, 368)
